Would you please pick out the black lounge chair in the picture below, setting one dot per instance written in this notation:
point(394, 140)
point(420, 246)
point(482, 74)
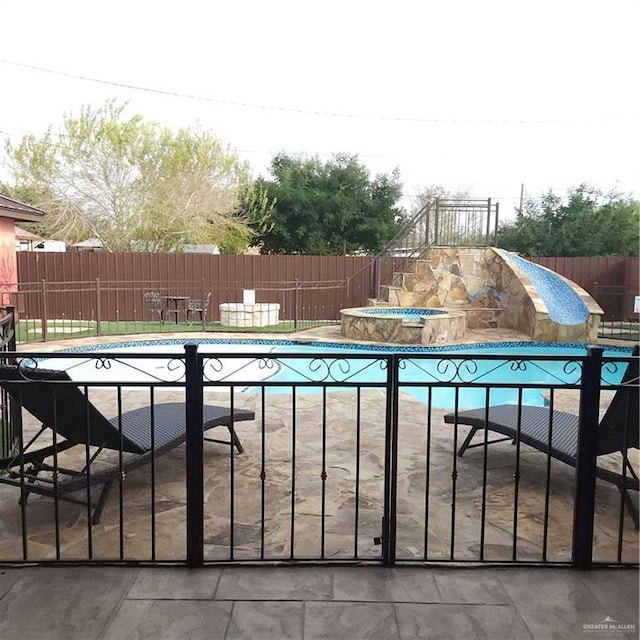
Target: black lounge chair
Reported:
point(618, 431)
point(57, 402)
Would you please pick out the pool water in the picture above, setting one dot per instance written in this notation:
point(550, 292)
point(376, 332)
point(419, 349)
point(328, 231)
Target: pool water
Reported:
point(406, 314)
point(461, 365)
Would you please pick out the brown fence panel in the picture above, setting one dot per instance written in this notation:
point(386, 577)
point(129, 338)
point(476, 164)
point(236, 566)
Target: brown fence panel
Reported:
point(111, 285)
point(612, 281)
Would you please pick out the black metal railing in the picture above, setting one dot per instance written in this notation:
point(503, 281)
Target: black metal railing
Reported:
point(443, 222)
point(464, 222)
point(348, 456)
point(7, 344)
point(621, 320)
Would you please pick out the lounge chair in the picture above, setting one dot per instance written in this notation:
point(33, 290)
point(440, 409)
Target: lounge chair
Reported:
point(618, 431)
point(53, 399)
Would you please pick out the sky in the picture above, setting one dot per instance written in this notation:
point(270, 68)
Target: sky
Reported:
point(478, 96)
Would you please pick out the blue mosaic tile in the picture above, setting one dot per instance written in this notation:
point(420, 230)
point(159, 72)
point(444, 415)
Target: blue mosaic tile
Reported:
point(402, 312)
point(564, 304)
point(505, 348)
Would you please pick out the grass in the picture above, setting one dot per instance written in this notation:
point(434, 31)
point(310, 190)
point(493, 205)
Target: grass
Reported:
point(619, 330)
point(63, 329)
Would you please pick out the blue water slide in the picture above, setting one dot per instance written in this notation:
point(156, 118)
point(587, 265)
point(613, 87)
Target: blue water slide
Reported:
point(564, 304)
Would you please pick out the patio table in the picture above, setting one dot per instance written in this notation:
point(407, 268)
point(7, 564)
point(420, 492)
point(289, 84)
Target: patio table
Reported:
point(176, 305)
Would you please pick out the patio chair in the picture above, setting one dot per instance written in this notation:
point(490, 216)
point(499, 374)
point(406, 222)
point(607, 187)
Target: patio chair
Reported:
point(618, 431)
point(198, 306)
point(155, 304)
point(57, 402)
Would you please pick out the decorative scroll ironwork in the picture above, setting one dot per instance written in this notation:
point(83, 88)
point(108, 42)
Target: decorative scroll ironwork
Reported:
point(289, 370)
point(173, 367)
point(612, 372)
point(467, 370)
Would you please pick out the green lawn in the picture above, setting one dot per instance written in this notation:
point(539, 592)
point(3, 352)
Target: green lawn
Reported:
point(619, 330)
point(31, 330)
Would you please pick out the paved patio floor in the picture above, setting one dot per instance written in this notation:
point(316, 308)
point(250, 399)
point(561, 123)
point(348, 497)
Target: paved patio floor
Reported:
point(313, 603)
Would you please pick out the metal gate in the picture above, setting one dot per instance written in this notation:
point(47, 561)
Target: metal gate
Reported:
point(353, 456)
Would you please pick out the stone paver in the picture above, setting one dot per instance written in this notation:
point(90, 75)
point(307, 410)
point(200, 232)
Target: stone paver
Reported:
point(312, 603)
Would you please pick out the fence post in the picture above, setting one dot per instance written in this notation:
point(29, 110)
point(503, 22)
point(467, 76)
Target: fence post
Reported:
point(203, 297)
point(588, 420)
point(427, 222)
point(391, 464)
point(98, 308)
point(11, 311)
point(10, 417)
point(195, 457)
point(495, 230)
point(295, 305)
point(486, 240)
point(45, 311)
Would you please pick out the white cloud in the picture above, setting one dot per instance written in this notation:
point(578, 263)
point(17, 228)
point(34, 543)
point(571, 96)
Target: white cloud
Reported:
point(438, 89)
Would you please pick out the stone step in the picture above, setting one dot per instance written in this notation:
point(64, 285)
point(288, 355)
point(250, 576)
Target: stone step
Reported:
point(478, 317)
point(408, 280)
point(390, 293)
point(376, 302)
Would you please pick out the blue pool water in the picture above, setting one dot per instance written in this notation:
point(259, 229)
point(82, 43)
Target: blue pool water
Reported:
point(407, 314)
point(265, 362)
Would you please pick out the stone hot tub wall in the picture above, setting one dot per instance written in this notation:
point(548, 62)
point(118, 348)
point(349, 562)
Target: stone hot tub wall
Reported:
point(439, 328)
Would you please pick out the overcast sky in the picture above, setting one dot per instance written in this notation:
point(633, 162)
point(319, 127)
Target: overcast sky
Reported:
point(478, 95)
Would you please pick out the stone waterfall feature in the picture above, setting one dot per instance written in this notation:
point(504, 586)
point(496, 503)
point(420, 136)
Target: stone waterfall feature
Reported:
point(497, 289)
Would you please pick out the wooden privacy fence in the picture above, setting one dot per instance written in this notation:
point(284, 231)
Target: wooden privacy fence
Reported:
point(612, 281)
point(110, 286)
point(118, 301)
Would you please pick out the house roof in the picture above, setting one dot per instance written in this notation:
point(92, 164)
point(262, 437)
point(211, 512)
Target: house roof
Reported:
point(91, 243)
point(10, 208)
point(22, 234)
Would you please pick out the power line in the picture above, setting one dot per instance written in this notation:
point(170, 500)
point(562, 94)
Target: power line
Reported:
point(16, 134)
point(327, 114)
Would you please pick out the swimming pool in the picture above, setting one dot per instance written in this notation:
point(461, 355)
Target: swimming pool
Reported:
point(277, 365)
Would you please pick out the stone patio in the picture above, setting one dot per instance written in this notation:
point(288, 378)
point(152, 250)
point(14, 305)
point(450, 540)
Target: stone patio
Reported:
point(270, 536)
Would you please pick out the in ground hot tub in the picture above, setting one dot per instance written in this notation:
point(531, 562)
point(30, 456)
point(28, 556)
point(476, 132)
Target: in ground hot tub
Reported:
point(260, 314)
point(403, 325)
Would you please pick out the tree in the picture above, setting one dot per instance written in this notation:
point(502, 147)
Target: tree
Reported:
point(590, 223)
point(434, 192)
point(133, 185)
point(327, 208)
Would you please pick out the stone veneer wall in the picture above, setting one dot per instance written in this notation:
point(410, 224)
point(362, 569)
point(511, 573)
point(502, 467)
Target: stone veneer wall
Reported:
point(433, 329)
point(493, 291)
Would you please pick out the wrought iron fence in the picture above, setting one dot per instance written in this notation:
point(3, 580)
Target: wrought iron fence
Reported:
point(619, 322)
point(464, 222)
point(57, 310)
point(7, 344)
point(333, 456)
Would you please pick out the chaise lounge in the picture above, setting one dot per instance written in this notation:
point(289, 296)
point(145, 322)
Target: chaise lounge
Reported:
point(618, 431)
point(57, 402)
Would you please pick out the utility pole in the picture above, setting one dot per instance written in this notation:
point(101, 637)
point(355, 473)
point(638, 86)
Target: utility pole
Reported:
point(521, 199)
